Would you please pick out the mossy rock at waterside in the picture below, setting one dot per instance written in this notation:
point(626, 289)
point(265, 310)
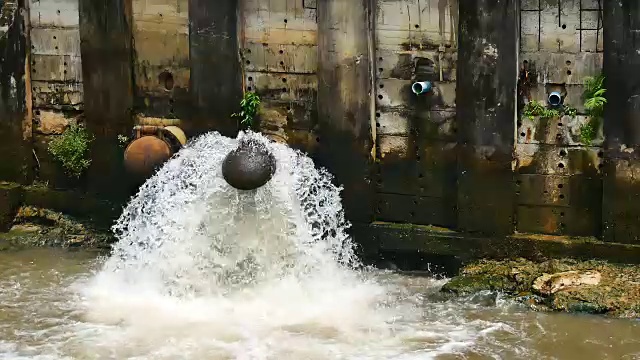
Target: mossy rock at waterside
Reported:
point(34, 227)
point(594, 287)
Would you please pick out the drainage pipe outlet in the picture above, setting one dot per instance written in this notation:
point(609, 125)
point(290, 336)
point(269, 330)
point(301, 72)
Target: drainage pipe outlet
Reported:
point(421, 87)
point(555, 98)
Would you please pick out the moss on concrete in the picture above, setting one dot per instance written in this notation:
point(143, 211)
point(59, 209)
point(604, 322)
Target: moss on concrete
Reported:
point(616, 294)
point(34, 227)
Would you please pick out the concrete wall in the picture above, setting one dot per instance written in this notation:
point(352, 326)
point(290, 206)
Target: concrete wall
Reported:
point(416, 134)
point(279, 42)
point(559, 182)
point(334, 77)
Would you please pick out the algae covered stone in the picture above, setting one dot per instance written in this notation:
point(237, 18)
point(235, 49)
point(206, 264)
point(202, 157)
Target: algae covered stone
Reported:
point(595, 287)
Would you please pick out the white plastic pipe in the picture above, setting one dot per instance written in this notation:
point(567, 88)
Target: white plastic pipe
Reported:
point(421, 87)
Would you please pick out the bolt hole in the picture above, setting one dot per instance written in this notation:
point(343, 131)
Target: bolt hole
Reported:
point(412, 214)
point(281, 52)
point(284, 90)
point(54, 38)
point(288, 108)
point(525, 62)
point(377, 124)
point(284, 80)
point(58, 12)
point(568, 72)
point(518, 182)
point(286, 21)
point(380, 58)
point(562, 225)
point(380, 69)
point(564, 26)
point(562, 213)
point(420, 176)
point(563, 153)
point(600, 154)
point(380, 97)
point(248, 62)
point(522, 134)
point(560, 186)
point(381, 86)
point(417, 157)
point(415, 202)
point(65, 64)
point(281, 63)
point(377, 114)
point(317, 139)
point(56, 48)
point(561, 196)
point(248, 51)
point(560, 124)
point(250, 78)
point(38, 112)
point(166, 79)
point(249, 88)
point(417, 26)
point(600, 166)
point(568, 63)
point(561, 165)
point(546, 192)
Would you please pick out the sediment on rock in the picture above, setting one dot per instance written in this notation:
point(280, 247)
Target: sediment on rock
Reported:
point(32, 227)
point(595, 287)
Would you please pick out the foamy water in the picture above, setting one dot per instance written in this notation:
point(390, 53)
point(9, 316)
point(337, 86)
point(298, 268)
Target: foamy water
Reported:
point(203, 271)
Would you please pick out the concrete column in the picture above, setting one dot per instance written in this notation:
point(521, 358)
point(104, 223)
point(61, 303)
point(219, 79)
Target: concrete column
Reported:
point(344, 86)
point(216, 74)
point(485, 101)
point(621, 195)
point(15, 117)
point(105, 34)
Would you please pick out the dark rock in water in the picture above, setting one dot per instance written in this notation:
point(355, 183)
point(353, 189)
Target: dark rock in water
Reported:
point(34, 227)
point(249, 166)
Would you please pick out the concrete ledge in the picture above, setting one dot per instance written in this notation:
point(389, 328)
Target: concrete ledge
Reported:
point(381, 236)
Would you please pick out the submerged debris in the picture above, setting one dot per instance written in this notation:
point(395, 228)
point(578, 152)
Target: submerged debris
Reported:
point(594, 287)
point(43, 227)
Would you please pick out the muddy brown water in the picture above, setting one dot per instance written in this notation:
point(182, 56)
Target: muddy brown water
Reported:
point(40, 318)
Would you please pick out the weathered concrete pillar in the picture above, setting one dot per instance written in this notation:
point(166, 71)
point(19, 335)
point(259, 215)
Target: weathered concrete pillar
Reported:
point(105, 44)
point(216, 77)
point(485, 99)
point(15, 119)
point(344, 86)
point(621, 195)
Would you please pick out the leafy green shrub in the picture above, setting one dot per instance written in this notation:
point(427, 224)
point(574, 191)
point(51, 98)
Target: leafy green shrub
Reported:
point(594, 102)
point(71, 149)
point(248, 108)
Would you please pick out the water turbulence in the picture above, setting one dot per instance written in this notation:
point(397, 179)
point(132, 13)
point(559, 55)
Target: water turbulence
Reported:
point(205, 271)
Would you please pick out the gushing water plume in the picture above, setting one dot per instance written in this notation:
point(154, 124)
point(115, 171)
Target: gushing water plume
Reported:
point(278, 256)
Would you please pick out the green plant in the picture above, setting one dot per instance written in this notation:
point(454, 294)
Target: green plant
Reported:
point(71, 149)
point(570, 111)
point(593, 96)
point(248, 108)
point(594, 102)
point(537, 108)
point(123, 140)
point(589, 130)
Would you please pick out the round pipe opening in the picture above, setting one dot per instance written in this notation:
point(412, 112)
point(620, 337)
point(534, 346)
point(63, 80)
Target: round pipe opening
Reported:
point(555, 98)
point(421, 87)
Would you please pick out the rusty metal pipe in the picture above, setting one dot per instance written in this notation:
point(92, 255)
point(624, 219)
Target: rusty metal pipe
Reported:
point(151, 148)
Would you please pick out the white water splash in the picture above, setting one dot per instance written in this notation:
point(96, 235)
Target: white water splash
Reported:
point(203, 271)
